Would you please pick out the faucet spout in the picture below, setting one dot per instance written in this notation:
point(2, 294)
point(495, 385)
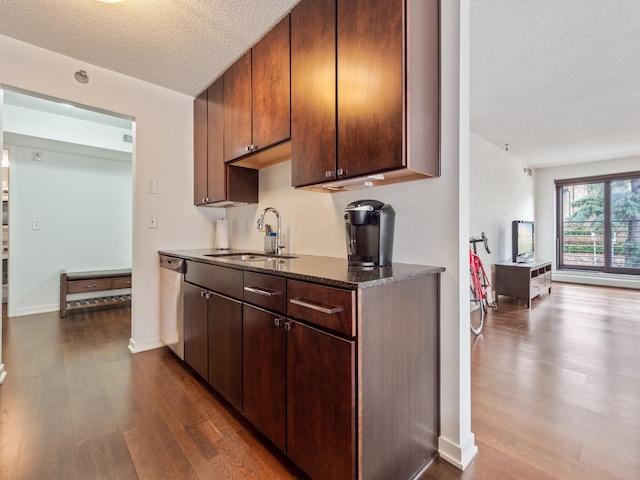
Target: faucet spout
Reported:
point(260, 223)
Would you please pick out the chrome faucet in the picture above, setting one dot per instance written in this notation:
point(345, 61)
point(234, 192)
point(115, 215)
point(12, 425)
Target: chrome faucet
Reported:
point(279, 241)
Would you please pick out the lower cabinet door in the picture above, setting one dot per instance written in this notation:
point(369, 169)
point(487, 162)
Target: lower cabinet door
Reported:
point(264, 373)
point(225, 347)
point(195, 329)
point(321, 403)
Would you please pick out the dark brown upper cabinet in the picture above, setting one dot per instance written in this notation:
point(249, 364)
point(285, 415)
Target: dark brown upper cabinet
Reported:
point(364, 91)
point(217, 184)
point(257, 112)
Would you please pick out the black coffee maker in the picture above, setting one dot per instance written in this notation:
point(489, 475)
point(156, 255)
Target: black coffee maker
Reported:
point(369, 225)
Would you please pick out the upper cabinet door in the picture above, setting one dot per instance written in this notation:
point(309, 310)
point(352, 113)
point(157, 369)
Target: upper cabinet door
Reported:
point(216, 180)
point(270, 80)
point(313, 92)
point(200, 149)
point(237, 108)
point(370, 86)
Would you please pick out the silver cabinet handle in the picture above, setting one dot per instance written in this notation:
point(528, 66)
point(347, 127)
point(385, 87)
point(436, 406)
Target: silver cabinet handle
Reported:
point(277, 321)
point(91, 286)
point(313, 306)
point(265, 292)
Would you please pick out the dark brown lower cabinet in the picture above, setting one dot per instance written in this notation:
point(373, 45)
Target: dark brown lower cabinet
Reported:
point(264, 373)
point(321, 403)
point(196, 350)
point(225, 347)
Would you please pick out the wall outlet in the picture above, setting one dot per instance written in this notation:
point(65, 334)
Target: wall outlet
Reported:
point(153, 221)
point(153, 187)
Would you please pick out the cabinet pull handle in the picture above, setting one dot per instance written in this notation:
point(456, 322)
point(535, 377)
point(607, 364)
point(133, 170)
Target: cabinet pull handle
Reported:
point(91, 286)
point(254, 148)
point(341, 171)
point(329, 174)
point(277, 322)
point(317, 308)
point(265, 292)
point(248, 148)
point(287, 326)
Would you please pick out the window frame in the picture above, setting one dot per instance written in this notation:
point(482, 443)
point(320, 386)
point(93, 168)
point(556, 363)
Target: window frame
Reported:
point(607, 242)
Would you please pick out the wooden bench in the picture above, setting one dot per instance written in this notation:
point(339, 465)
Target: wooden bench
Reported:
point(99, 281)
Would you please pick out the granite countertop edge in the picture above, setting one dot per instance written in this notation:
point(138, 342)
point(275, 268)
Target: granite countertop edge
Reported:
point(330, 271)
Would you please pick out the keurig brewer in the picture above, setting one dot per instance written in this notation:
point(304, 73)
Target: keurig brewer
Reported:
point(369, 225)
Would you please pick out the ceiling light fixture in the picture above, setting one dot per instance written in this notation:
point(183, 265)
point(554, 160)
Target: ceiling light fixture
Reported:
point(81, 76)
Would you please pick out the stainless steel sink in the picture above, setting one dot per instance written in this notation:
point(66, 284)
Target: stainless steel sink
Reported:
point(249, 257)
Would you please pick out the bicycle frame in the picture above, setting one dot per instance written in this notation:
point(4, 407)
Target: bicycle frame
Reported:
point(476, 267)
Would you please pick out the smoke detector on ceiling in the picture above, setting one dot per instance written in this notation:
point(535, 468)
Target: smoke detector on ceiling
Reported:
point(81, 76)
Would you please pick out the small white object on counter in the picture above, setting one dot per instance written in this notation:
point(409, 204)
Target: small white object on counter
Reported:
point(222, 234)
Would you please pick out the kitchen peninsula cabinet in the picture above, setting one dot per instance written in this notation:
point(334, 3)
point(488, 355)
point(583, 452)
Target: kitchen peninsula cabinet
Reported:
point(196, 350)
point(339, 365)
point(257, 96)
point(224, 317)
point(364, 92)
point(321, 426)
point(265, 373)
point(214, 182)
point(213, 327)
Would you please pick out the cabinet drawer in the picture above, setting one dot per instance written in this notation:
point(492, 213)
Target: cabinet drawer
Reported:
point(267, 291)
point(124, 282)
point(81, 286)
point(226, 281)
point(328, 307)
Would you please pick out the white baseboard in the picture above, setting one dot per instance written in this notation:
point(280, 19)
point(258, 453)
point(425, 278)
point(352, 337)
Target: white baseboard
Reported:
point(3, 373)
point(458, 455)
point(596, 278)
point(34, 310)
point(144, 345)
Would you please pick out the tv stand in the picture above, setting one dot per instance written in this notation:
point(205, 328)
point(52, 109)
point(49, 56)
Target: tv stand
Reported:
point(523, 280)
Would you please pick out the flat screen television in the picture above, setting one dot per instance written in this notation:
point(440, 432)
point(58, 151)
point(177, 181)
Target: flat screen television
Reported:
point(522, 243)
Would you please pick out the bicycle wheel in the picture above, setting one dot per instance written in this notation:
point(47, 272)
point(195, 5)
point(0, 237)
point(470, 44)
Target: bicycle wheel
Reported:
point(478, 310)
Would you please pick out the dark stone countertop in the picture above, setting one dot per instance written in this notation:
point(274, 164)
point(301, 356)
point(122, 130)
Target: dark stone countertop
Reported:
point(330, 271)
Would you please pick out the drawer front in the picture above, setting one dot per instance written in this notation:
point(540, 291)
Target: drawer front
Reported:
point(328, 307)
point(267, 291)
point(124, 282)
point(83, 286)
point(535, 287)
point(226, 281)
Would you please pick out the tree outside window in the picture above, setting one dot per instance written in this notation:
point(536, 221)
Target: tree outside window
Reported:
point(599, 224)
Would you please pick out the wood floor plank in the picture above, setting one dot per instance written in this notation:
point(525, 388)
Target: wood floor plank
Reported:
point(555, 396)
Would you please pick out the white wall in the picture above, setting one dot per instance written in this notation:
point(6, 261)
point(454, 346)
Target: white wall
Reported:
point(82, 199)
point(545, 194)
point(500, 193)
point(163, 151)
point(3, 372)
point(65, 129)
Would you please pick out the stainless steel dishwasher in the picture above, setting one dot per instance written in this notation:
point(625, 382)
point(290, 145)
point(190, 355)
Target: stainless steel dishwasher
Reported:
point(171, 304)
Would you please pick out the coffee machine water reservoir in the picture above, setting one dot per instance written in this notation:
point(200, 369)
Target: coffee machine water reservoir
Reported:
point(369, 226)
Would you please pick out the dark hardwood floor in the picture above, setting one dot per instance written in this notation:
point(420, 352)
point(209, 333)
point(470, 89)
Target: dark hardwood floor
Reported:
point(556, 390)
point(555, 395)
point(77, 405)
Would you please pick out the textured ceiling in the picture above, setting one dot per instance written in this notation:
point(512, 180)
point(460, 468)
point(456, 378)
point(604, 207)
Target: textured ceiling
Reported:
point(182, 45)
point(558, 80)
